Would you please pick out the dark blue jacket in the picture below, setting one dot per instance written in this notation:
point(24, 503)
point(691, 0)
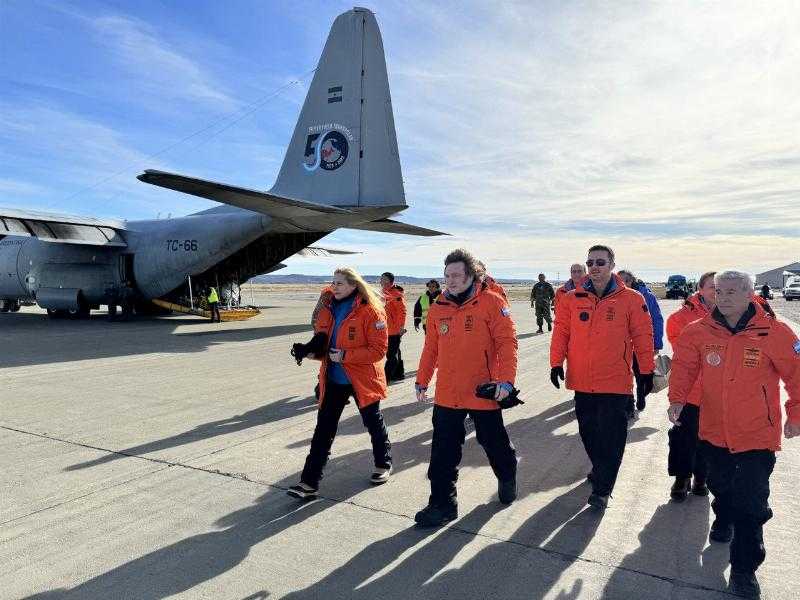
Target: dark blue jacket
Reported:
point(655, 314)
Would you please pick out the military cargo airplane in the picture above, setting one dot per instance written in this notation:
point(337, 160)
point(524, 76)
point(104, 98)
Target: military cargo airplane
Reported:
point(341, 170)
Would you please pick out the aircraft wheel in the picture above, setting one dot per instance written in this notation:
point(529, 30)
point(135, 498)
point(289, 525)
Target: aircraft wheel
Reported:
point(56, 314)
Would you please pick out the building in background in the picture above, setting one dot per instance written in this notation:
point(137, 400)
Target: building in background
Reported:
point(776, 278)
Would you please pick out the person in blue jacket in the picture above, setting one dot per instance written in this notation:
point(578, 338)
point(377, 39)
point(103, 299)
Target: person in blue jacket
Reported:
point(637, 284)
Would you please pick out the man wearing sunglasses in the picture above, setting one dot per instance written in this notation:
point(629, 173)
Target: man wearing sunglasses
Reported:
point(600, 326)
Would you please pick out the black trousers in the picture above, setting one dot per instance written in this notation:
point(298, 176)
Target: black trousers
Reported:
point(603, 426)
point(543, 314)
point(685, 456)
point(392, 367)
point(336, 397)
point(740, 484)
point(448, 440)
point(639, 399)
point(214, 308)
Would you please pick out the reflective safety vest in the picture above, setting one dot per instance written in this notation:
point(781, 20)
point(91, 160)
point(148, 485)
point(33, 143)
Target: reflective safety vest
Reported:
point(212, 296)
point(425, 304)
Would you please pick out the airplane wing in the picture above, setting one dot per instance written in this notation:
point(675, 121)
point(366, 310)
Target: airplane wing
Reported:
point(261, 202)
point(392, 226)
point(320, 251)
point(61, 229)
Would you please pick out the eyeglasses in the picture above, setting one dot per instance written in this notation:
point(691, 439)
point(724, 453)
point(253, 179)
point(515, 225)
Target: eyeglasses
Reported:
point(600, 262)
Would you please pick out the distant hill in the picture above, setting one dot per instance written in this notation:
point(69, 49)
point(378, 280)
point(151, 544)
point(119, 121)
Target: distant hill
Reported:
point(321, 279)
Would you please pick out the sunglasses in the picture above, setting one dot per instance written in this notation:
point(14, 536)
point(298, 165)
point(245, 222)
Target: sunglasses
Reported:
point(600, 262)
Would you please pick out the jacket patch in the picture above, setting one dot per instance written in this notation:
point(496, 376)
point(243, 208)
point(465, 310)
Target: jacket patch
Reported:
point(752, 357)
point(584, 316)
point(351, 333)
point(610, 313)
point(505, 311)
point(796, 347)
point(713, 358)
point(444, 327)
point(644, 308)
point(581, 295)
point(468, 323)
point(380, 325)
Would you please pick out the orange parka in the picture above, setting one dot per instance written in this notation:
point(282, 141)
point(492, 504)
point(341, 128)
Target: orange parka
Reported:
point(563, 291)
point(492, 284)
point(598, 337)
point(394, 301)
point(692, 310)
point(364, 339)
point(468, 344)
point(740, 403)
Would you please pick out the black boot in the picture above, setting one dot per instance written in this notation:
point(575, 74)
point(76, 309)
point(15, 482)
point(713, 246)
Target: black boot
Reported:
point(507, 491)
point(539, 330)
point(720, 532)
point(699, 487)
point(436, 515)
point(744, 585)
point(549, 327)
point(680, 489)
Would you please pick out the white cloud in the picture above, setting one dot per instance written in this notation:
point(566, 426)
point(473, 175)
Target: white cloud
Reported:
point(162, 70)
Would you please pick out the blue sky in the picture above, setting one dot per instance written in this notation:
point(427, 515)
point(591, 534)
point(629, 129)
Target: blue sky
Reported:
point(528, 130)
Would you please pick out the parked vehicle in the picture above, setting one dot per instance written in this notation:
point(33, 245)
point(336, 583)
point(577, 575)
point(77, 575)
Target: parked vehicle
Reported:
point(678, 287)
point(792, 291)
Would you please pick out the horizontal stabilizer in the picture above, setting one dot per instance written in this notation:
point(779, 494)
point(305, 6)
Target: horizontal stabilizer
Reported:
point(260, 202)
point(61, 229)
point(391, 226)
point(319, 251)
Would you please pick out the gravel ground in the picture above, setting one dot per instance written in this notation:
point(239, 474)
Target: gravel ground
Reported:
point(786, 310)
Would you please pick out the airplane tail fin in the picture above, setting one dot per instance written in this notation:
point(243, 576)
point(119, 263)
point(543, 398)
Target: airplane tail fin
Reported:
point(344, 148)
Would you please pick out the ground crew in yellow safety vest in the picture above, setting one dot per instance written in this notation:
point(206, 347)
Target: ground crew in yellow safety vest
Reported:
point(424, 303)
point(213, 304)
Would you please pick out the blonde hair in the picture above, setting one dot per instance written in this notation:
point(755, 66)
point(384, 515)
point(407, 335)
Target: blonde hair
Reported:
point(362, 287)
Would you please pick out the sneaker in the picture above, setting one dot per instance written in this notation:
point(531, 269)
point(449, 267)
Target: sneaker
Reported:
point(598, 501)
point(507, 491)
point(720, 532)
point(680, 489)
point(744, 585)
point(303, 491)
point(436, 516)
point(380, 475)
point(539, 330)
point(699, 487)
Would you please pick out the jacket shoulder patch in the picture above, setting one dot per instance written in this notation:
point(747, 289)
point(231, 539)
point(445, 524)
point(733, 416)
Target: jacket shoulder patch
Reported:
point(796, 347)
point(380, 325)
point(581, 295)
point(505, 311)
point(644, 308)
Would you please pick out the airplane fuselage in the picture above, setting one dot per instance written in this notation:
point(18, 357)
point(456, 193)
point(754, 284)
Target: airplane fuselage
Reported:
point(157, 258)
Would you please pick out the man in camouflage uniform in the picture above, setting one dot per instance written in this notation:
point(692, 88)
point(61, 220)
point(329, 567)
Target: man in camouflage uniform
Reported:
point(542, 296)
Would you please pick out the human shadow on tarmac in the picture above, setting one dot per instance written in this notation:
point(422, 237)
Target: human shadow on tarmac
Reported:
point(284, 408)
point(187, 563)
point(671, 551)
point(64, 341)
point(525, 566)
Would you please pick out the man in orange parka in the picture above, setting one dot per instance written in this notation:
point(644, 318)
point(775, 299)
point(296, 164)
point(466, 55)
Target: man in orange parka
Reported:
point(576, 273)
point(470, 340)
point(395, 304)
point(599, 326)
point(684, 460)
point(740, 353)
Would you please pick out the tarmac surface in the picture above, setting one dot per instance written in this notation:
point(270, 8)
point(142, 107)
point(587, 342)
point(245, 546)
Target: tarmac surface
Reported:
point(150, 460)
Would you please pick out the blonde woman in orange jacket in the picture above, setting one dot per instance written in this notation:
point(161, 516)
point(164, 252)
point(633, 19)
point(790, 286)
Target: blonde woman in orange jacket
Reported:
point(353, 324)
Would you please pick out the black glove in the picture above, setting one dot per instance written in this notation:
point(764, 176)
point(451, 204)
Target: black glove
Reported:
point(556, 373)
point(647, 385)
point(488, 391)
point(315, 347)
